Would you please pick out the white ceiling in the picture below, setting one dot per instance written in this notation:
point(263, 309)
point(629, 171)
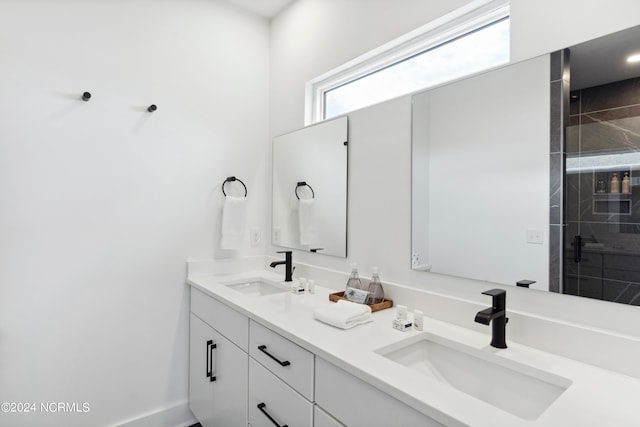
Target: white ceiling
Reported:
point(266, 8)
point(604, 60)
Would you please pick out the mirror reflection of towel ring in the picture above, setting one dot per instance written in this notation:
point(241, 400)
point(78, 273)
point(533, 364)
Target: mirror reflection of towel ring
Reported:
point(304, 184)
point(231, 179)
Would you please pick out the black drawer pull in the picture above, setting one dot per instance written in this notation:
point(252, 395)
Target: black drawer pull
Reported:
point(208, 359)
point(263, 405)
point(263, 348)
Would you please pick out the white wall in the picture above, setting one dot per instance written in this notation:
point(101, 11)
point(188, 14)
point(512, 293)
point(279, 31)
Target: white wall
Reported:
point(543, 26)
point(492, 174)
point(102, 203)
point(313, 36)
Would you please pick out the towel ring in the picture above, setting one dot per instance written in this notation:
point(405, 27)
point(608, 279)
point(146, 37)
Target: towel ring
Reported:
point(304, 184)
point(231, 179)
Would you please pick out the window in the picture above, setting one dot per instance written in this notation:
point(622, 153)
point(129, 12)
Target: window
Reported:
point(466, 41)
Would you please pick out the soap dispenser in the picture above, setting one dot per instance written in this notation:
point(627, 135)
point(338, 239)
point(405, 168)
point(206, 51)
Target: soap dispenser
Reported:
point(354, 281)
point(375, 288)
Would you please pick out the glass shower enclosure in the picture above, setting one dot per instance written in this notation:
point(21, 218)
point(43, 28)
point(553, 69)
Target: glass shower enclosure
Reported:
point(602, 184)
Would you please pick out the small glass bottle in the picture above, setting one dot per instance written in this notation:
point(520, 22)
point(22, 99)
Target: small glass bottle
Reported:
point(375, 288)
point(354, 279)
point(626, 187)
point(615, 184)
point(601, 187)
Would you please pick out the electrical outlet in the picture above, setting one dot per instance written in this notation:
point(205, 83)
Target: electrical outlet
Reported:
point(535, 236)
point(275, 235)
point(415, 259)
point(256, 237)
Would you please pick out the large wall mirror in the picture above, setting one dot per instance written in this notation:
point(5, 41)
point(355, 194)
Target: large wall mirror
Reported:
point(481, 175)
point(310, 188)
point(532, 172)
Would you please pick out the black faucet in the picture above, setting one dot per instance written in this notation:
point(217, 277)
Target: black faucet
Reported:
point(288, 265)
point(498, 314)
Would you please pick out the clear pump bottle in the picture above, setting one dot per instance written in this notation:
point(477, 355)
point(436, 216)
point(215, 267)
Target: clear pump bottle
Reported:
point(354, 279)
point(375, 288)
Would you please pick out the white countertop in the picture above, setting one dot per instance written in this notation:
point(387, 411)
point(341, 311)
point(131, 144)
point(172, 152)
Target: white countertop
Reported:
point(596, 397)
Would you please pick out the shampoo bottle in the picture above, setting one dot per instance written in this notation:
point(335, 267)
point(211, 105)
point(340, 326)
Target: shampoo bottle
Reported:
point(375, 288)
point(615, 184)
point(626, 188)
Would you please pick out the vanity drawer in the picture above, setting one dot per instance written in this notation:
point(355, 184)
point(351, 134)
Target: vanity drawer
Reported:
point(276, 400)
point(335, 392)
point(322, 419)
point(233, 325)
point(290, 362)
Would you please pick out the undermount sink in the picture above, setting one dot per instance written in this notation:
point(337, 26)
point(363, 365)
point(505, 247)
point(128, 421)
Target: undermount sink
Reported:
point(255, 286)
point(516, 388)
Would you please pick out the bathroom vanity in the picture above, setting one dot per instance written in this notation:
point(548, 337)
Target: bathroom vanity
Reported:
point(287, 384)
point(275, 365)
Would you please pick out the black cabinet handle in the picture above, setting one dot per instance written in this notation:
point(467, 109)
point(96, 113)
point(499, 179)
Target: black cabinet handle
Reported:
point(263, 405)
point(210, 347)
point(577, 249)
point(208, 358)
point(213, 374)
point(263, 348)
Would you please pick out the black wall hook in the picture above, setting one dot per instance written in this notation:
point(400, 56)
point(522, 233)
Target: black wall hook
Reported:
point(152, 108)
point(232, 179)
point(86, 96)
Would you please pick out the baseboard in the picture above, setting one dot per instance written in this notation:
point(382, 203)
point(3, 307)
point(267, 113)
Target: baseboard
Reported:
point(178, 415)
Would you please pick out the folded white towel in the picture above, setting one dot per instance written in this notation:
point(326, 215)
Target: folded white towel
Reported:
point(234, 214)
point(344, 314)
point(307, 225)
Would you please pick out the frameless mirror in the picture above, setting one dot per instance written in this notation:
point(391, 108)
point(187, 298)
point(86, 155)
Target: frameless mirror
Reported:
point(480, 168)
point(492, 195)
point(310, 188)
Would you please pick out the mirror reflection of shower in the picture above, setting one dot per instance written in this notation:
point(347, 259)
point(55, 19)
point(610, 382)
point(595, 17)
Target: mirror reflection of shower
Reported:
point(602, 173)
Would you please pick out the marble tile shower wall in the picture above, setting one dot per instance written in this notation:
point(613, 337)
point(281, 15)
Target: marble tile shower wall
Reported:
point(559, 116)
point(604, 121)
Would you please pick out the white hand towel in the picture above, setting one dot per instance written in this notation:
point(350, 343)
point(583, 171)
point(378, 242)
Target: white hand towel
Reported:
point(234, 214)
point(344, 314)
point(307, 225)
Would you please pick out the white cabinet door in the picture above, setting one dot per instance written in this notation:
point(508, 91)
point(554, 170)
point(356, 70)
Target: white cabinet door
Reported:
point(230, 323)
point(358, 404)
point(218, 378)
